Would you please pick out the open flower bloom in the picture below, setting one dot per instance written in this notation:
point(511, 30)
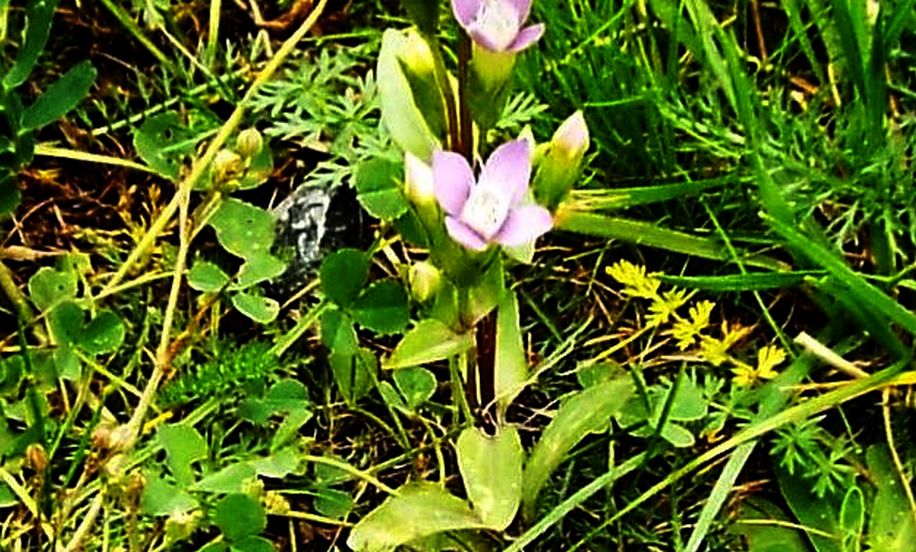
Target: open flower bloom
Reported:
point(493, 208)
point(498, 25)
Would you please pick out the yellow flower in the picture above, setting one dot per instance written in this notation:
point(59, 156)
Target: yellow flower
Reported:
point(745, 375)
point(664, 307)
point(715, 351)
point(687, 331)
point(634, 279)
point(769, 358)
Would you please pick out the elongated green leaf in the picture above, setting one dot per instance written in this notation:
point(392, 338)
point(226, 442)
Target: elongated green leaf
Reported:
point(60, 97)
point(891, 527)
point(766, 537)
point(39, 14)
point(861, 289)
point(492, 471)
point(511, 363)
point(821, 513)
point(742, 282)
point(419, 510)
point(588, 411)
point(399, 111)
point(624, 198)
point(429, 341)
point(644, 233)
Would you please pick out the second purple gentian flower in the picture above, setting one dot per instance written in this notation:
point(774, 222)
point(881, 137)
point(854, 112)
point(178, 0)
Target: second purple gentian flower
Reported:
point(498, 25)
point(493, 208)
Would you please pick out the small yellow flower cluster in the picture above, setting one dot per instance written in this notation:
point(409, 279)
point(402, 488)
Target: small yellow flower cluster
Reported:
point(691, 331)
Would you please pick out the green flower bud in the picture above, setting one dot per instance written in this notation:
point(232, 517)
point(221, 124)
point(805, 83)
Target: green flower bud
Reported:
point(562, 161)
point(424, 279)
point(419, 65)
point(249, 142)
point(227, 166)
point(400, 112)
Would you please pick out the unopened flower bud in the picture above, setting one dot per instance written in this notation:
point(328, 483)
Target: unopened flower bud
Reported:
point(418, 181)
point(419, 64)
point(561, 164)
point(571, 140)
point(227, 166)
point(424, 281)
point(180, 526)
point(249, 142)
point(37, 457)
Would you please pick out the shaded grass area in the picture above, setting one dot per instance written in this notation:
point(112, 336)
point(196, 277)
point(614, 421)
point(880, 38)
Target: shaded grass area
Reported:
point(775, 138)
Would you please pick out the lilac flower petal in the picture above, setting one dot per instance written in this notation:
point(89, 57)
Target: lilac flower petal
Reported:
point(509, 169)
point(526, 37)
point(524, 224)
point(463, 234)
point(466, 11)
point(484, 40)
point(524, 9)
point(452, 181)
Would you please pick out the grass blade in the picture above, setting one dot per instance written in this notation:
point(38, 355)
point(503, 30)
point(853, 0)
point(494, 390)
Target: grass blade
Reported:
point(644, 233)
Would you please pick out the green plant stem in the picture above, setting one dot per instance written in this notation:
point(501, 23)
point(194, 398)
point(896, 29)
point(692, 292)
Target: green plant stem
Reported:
point(448, 95)
point(343, 466)
point(465, 121)
point(799, 412)
point(213, 33)
point(306, 322)
point(199, 169)
point(125, 19)
point(180, 202)
point(75, 155)
point(16, 297)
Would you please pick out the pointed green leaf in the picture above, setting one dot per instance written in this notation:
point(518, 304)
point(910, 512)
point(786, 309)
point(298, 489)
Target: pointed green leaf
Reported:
point(491, 468)
point(354, 373)
point(419, 510)
point(60, 97)
point(511, 364)
point(891, 527)
point(400, 115)
point(337, 333)
point(39, 15)
point(585, 412)
point(429, 341)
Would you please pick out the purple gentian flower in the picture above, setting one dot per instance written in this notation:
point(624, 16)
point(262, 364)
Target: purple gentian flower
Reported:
point(494, 208)
point(497, 25)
